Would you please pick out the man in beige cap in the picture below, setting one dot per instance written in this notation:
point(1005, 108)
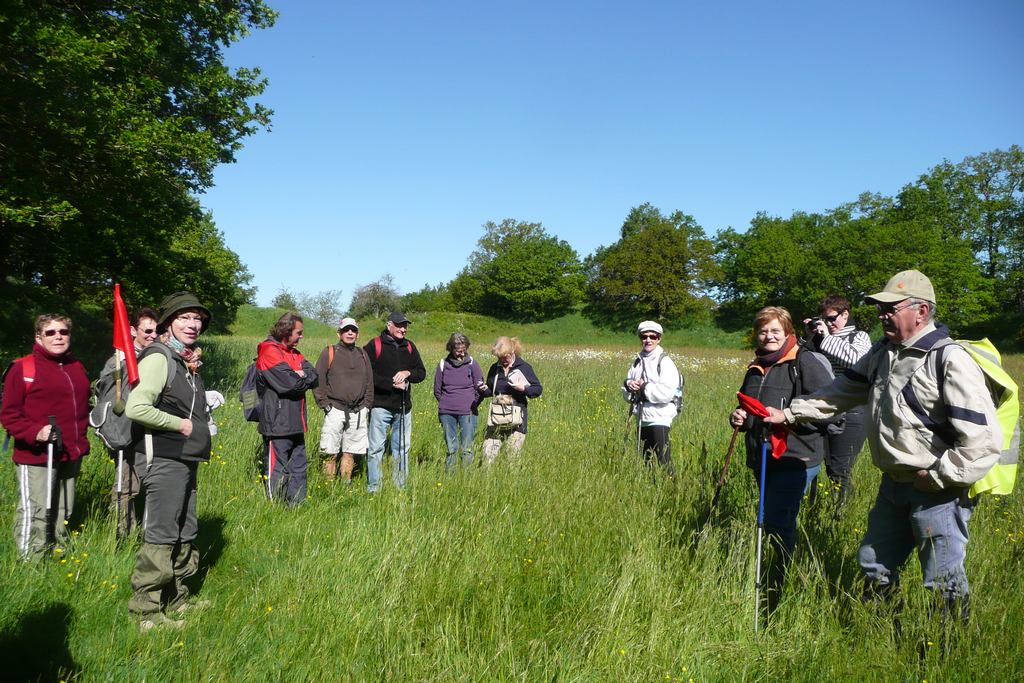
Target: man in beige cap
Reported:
point(932, 431)
point(346, 396)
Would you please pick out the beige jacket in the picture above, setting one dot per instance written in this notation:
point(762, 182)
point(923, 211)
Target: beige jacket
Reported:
point(892, 378)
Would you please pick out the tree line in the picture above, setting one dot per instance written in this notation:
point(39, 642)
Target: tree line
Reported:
point(960, 223)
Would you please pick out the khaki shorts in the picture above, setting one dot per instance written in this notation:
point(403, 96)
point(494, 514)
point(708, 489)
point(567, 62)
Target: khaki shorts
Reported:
point(335, 438)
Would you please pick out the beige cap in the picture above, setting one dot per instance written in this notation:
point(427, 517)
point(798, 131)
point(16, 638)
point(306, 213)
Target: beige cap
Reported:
point(348, 322)
point(909, 284)
point(648, 326)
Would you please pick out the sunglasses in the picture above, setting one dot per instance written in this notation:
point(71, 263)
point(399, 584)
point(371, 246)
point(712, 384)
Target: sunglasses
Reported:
point(64, 332)
point(831, 318)
point(650, 336)
point(893, 309)
point(150, 330)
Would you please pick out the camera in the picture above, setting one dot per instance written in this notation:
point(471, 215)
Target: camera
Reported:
point(814, 321)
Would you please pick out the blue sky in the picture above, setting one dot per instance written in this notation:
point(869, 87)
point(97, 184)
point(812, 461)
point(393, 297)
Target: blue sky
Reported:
point(401, 127)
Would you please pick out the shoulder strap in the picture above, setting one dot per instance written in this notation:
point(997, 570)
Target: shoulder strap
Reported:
point(376, 347)
point(937, 354)
point(330, 357)
point(172, 365)
point(28, 371)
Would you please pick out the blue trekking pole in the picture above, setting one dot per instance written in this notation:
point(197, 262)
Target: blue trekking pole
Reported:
point(760, 533)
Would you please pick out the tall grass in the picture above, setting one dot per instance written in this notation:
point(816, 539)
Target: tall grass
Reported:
point(572, 562)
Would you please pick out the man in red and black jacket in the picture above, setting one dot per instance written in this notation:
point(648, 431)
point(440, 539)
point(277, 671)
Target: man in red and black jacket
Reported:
point(396, 364)
point(285, 376)
point(47, 387)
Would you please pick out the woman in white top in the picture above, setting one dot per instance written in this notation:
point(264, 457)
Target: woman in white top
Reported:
point(653, 385)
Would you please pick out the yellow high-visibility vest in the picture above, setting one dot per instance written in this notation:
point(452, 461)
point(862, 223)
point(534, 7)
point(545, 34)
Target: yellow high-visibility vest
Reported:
point(1001, 478)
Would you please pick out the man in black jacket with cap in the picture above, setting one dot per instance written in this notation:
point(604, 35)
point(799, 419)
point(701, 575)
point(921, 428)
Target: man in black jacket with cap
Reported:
point(396, 364)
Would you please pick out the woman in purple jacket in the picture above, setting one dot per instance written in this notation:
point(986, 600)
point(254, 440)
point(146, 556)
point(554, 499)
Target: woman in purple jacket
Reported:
point(458, 387)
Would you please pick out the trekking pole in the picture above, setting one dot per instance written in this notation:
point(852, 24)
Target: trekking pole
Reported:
point(403, 452)
point(640, 408)
point(117, 497)
point(639, 424)
point(725, 471)
point(49, 471)
point(760, 534)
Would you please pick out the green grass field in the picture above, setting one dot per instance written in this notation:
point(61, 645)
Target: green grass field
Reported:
point(572, 563)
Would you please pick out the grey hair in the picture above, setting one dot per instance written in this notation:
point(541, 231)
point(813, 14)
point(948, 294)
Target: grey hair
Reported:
point(931, 307)
point(456, 338)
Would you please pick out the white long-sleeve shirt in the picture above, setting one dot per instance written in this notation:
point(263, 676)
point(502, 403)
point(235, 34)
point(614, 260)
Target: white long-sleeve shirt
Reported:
point(660, 389)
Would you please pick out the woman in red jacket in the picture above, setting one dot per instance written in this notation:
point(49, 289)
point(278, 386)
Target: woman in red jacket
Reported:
point(46, 406)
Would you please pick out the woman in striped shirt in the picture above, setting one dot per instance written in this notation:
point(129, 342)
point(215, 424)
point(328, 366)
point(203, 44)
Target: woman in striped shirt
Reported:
point(835, 337)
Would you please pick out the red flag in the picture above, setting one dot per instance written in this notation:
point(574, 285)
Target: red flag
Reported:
point(123, 337)
point(779, 432)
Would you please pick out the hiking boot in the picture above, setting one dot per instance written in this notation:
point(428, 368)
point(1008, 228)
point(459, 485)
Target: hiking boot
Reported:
point(196, 605)
point(158, 620)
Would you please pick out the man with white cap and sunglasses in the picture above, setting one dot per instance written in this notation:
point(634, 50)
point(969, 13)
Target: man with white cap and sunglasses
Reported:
point(346, 395)
point(653, 386)
point(933, 432)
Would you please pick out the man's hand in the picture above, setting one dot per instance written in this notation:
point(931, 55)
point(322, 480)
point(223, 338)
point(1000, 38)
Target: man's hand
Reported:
point(775, 416)
point(398, 381)
point(635, 385)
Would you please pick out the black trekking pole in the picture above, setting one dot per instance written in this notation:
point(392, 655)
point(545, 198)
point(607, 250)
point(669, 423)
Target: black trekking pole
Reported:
point(638, 396)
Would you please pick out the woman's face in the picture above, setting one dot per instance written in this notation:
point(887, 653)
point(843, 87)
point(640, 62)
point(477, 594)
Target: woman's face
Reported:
point(187, 325)
point(55, 337)
point(835, 321)
point(458, 350)
point(649, 340)
point(771, 336)
point(506, 360)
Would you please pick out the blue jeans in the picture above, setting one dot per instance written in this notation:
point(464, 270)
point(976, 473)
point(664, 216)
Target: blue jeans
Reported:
point(456, 426)
point(401, 426)
point(784, 488)
point(935, 523)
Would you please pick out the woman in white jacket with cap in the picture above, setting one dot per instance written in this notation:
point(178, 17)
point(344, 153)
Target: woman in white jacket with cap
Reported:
point(653, 386)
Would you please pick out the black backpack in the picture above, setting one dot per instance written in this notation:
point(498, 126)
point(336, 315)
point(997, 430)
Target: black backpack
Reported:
point(107, 417)
point(251, 393)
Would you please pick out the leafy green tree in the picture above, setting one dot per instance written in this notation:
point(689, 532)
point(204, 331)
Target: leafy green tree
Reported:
point(112, 115)
point(661, 268)
point(429, 298)
point(519, 272)
point(375, 300)
point(853, 250)
point(981, 199)
point(285, 299)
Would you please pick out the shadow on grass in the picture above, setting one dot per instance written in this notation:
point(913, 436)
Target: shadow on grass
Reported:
point(211, 543)
point(36, 648)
